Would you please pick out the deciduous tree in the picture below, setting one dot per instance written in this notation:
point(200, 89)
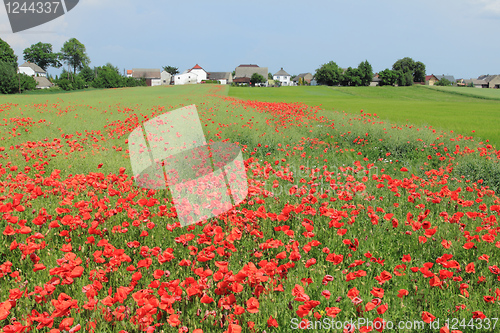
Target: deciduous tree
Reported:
point(42, 55)
point(329, 74)
point(73, 53)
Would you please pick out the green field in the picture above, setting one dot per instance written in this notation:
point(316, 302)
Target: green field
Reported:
point(443, 109)
point(470, 92)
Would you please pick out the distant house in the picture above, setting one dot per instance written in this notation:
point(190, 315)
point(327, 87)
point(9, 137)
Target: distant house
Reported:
point(243, 73)
point(166, 78)
point(222, 77)
point(447, 77)
point(283, 77)
point(152, 76)
point(430, 80)
point(42, 82)
point(314, 82)
point(185, 78)
point(306, 78)
point(201, 74)
point(477, 83)
point(492, 80)
point(31, 69)
point(129, 73)
point(375, 80)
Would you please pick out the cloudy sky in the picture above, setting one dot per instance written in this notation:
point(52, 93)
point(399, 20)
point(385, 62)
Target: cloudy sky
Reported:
point(451, 37)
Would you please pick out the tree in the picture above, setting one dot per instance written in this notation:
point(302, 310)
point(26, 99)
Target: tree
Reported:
point(26, 82)
point(351, 77)
point(7, 54)
point(443, 82)
point(387, 77)
point(408, 65)
point(74, 55)
point(419, 72)
point(365, 73)
point(269, 76)
point(257, 78)
point(42, 55)
point(329, 74)
point(8, 79)
point(87, 74)
point(108, 76)
point(171, 70)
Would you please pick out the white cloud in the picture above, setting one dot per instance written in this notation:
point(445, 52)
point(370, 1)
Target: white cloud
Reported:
point(488, 7)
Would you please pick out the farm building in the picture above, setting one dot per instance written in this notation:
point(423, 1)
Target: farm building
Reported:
point(152, 76)
point(283, 77)
point(306, 77)
point(166, 78)
point(201, 74)
point(243, 73)
point(185, 78)
point(31, 69)
point(222, 77)
point(430, 80)
point(492, 80)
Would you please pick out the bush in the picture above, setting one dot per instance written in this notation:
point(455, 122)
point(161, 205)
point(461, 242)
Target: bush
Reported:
point(26, 82)
point(8, 80)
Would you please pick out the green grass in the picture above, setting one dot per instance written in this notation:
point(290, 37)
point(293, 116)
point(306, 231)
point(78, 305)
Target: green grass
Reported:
point(493, 94)
point(419, 105)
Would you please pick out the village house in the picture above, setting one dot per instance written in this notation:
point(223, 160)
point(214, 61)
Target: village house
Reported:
point(306, 78)
point(31, 69)
point(430, 80)
point(243, 73)
point(283, 77)
point(152, 76)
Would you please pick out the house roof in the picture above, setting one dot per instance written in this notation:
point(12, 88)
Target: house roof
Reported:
point(302, 75)
point(447, 77)
point(281, 72)
point(42, 82)
point(148, 73)
point(219, 75)
point(428, 77)
point(34, 67)
point(196, 67)
point(476, 82)
point(129, 71)
point(487, 78)
point(376, 78)
point(249, 70)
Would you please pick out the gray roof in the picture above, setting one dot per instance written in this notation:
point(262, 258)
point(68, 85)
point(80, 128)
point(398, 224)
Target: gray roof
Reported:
point(34, 67)
point(281, 72)
point(487, 78)
point(248, 70)
point(476, 82)
point(219, 75)
point(147, 73)
point(301, 75)
point(42, 82)
point(447, 77)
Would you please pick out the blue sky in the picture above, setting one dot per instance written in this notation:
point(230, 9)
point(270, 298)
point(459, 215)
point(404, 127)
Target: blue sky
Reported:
point(451, 37)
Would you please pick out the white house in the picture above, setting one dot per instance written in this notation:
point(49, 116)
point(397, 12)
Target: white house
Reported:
point(166, 78)
point(31, 69)
point(186, 78)
point(201, 74)
point(283, 77)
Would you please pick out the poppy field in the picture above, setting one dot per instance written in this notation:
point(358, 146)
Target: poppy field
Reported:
point(350, 224)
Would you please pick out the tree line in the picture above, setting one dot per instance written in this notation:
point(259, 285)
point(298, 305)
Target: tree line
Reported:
point(404, 72)
point(78, 76)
